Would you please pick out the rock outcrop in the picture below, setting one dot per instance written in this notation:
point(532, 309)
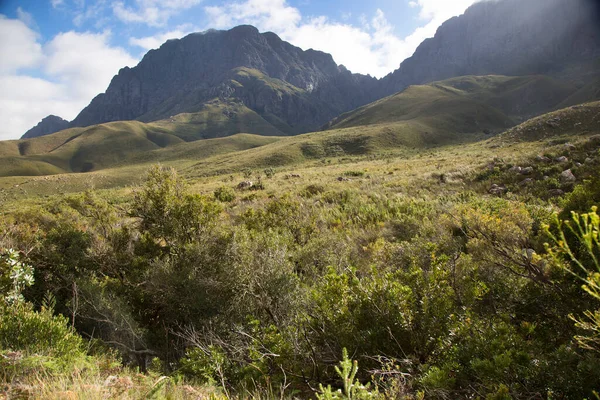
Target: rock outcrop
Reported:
point(281, 82)
point(46, 126)
point(508, 37)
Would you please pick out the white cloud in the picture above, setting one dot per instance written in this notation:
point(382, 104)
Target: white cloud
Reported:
point(57, 3)
point(72, 69)
point(19, 47)
point(152, 12)
point(373, 48)
point(154, 42)
point(85, 60)
point(272, 15)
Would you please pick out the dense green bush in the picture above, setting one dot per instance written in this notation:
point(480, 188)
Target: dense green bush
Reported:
point(30, 332)
point(449, 296)
point(225, 194)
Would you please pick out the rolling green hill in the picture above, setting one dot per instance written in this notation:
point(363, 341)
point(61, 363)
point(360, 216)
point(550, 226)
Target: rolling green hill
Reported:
point(113, 144)
point(583, 119)
point(456, 110)
point(468, 103)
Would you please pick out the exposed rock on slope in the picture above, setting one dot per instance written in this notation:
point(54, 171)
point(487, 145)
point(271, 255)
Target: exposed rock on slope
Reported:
point(508, 37)
point(46, 126)
point(297, 90)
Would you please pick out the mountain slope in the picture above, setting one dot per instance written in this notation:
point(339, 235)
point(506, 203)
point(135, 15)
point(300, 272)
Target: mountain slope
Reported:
point(579, 119)
point(299, 89)
point(508, 37)
point(467, 103)
point(455, 110)
point(123, 142)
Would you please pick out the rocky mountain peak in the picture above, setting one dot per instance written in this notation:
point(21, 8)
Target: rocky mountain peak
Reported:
point(183, 74)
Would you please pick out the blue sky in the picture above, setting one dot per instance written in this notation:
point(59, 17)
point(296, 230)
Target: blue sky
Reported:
point(56, 55)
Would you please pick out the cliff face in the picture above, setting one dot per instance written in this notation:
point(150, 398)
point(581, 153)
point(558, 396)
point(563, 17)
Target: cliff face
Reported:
point(46, 126)
point(303, 88)
point(508, 37)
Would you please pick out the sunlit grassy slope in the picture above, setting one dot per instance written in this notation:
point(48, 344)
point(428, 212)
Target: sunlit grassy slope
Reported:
point(322, 157)
point(457, 110)
point(575, 120)
point(467, 104)
point(125, 142)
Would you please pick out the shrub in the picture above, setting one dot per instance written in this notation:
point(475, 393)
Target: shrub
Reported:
point(269, 172)
point(352, 388)
point(25, 330)
point(312, 190)
point(354, 173)
point(584, 264)
point(247, 172)
point(258, 186)
point(14, 276)
point(225, 194)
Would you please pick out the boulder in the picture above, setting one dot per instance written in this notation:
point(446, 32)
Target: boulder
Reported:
point(527, 171)
point(561, 159)
point(567, 176)
point(526, 182)
point(245, 185)
point(497, 189)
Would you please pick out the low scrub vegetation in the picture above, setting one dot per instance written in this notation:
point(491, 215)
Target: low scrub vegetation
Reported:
point(329, 292)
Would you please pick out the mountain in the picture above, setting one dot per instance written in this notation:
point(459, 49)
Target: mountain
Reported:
point(294, 90)
point(509, 37)
point(456, 110)
point(46, 126)
point(84, 149)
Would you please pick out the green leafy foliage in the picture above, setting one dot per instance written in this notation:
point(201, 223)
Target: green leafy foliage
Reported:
point(225, 194)
point(438, 296)
point(584, 264)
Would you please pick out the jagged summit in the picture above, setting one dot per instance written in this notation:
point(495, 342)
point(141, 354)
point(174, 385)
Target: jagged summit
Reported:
point(300, 89)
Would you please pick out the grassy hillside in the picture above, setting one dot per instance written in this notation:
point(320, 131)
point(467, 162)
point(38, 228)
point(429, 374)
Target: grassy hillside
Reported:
point(453, 111)
point(468, 104)
point(570, 121)
point(128, 142)
point(217, 119)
